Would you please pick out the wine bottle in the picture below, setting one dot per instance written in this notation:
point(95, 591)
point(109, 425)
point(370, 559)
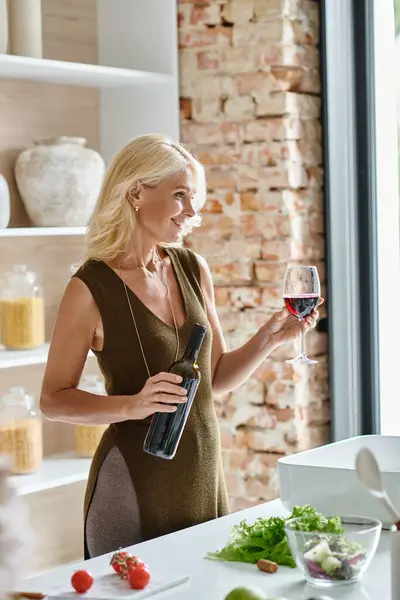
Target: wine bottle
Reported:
point(166, 429)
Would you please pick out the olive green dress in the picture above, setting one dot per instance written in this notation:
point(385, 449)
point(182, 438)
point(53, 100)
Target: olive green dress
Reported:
point(136, 496)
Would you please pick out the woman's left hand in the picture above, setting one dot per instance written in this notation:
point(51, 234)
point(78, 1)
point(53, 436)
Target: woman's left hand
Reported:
point(284, 327)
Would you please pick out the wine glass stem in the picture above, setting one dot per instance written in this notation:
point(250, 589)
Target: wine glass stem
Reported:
point(302, 350)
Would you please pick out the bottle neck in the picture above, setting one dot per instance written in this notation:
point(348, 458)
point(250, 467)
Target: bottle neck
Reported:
point(191, 354)
point(194, 344)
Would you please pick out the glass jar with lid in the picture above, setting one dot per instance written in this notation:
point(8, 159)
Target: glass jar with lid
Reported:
point(87, 437)
point(21, 431)
point(22, 320)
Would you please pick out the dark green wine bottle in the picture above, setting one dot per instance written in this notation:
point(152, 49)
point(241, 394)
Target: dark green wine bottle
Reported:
point(166, 429)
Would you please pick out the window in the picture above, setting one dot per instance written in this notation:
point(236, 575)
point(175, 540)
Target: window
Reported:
point(360, 59)
point(397, 55)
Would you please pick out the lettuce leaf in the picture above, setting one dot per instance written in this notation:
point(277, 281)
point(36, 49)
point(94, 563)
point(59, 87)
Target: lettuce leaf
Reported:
point(314, 521)
point(266, 538)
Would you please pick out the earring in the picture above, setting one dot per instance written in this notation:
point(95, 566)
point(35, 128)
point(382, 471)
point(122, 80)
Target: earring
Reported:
point(136, 208)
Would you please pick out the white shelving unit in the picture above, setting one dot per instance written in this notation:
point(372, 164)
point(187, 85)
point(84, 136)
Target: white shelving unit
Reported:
point(71, 73)
point(41, 231)
point(24, 358)
point(56, 471)
point(136, 74)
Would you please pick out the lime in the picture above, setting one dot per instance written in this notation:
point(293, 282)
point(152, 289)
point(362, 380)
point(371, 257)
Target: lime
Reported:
point(246, 593)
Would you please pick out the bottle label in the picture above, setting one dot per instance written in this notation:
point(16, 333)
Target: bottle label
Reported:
point(191, 386)
point(166, 429)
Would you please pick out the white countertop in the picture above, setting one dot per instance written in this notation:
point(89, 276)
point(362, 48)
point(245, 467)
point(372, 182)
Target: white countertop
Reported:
point(183, 553)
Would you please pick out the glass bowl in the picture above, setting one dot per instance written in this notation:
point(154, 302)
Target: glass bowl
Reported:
point(331, 559)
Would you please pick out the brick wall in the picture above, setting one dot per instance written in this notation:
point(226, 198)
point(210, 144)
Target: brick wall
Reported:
point(250, 112)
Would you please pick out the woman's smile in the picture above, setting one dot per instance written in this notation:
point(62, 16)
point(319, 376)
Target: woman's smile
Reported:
point(179, 223)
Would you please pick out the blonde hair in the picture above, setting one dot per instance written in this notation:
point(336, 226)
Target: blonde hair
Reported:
point(148, 159)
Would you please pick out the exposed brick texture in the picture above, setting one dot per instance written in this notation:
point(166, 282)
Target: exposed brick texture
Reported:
point(250, 111)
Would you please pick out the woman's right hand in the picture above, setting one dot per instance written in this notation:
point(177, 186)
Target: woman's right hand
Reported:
point(160, 393)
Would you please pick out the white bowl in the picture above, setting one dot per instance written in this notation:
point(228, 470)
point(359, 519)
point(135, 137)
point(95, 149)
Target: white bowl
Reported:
point(326, 479)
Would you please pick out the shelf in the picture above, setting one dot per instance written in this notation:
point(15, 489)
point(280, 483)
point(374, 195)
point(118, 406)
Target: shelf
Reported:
point(41, 231)
point(70, 73)
point(25, 358)
point(56, 471)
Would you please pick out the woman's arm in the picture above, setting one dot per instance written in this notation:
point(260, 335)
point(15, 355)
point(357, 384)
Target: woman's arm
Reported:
point(71, 341)
point(73, 336)
point(231, 369)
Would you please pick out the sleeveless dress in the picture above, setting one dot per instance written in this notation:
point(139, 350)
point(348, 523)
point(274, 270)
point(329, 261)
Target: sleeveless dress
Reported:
point(132, 496)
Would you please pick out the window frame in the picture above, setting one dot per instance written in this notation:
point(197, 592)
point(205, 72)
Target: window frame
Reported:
point(356, 225)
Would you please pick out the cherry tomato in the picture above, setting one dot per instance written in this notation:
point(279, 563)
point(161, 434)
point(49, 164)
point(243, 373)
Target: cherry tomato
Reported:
point(82, 581)
point(139, 576)
point(119, 560)
point(130, 563)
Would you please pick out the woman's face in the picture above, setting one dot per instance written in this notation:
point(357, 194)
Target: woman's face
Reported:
point(165, 208)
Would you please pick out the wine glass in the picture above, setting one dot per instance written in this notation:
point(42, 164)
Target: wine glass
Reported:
point(301, 293)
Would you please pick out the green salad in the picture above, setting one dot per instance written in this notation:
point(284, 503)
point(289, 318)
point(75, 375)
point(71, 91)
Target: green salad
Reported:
point(266, 538)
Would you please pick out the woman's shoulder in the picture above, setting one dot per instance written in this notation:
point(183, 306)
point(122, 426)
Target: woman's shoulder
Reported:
point(95, 276)
point(186, 253)
point(78, 296)
point(197, 271)
point(188, 260)
point(87, 268)
point(197, 262)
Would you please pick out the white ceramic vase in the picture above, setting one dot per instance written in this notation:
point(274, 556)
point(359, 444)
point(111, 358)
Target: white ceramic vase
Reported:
point(59, 181)
point(3, 27)
point(5, 207)
point(25, 21)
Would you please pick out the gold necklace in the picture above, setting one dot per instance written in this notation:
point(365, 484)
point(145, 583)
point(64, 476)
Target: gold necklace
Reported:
point(165, 283)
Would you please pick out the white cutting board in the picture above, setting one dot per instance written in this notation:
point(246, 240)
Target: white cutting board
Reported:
point(112, 587)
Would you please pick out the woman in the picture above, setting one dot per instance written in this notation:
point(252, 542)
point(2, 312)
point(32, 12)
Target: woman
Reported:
point(134, 302)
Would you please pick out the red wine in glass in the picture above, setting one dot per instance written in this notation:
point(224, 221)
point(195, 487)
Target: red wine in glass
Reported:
point(302, 305)
point(301, 294)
